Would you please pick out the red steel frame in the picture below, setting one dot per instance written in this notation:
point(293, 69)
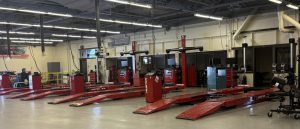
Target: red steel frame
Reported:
point(118, 95)
point(184, 62)
point(212, 106)
point(97, 90)
point(186, 98)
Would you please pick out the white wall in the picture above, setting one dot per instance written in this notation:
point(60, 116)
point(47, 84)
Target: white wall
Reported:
point(16, 64)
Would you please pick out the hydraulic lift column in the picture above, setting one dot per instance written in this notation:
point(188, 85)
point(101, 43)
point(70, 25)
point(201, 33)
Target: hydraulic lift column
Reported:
point(244, 45)
point(183, 50)
point(183, 62)
point(136, 77)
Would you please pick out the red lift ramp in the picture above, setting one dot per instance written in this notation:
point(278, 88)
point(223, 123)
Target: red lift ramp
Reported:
point(21, 95)
point(14, 90)
point(91, 94)
point(166, 103)
point(118, 95)
point(214, 105)
point(44, 94)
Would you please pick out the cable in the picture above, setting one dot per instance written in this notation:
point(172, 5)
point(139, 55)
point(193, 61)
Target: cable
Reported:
point(5, 63)
point(72, 55)
point(33, 57)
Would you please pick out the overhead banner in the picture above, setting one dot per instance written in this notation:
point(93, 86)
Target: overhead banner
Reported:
point(15, 51)
point(120, 40)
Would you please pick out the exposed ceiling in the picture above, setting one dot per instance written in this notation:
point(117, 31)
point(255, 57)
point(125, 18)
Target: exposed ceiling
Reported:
point(168, 13)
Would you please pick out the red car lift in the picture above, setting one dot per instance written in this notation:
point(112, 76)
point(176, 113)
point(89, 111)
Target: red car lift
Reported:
point(6, 88)
point(91, 94)
point(183, 50)
point(118, 95)
point(77, 87)
point(80, 92)
point(186, 98)
point(212, 106)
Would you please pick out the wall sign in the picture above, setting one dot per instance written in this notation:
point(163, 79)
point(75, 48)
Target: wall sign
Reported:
point(16, 52)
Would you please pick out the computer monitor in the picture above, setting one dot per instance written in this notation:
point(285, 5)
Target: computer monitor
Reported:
point(124, 63)
point(171, 62)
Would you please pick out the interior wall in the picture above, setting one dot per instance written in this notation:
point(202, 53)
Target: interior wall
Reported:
point(212, 36)
point(16, 64)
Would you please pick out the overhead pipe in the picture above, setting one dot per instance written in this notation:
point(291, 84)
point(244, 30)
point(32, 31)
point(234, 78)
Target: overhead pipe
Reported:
point(8, 41)
point(291, 20)
point(42, 33)
point(281, 24)
point(245, 23)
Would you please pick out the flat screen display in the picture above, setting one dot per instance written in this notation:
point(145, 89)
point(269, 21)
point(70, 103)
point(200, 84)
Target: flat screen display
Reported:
point(171, 62)
point(124, 63)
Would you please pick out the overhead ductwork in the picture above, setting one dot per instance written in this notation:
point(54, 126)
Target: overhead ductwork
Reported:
point(245, 23)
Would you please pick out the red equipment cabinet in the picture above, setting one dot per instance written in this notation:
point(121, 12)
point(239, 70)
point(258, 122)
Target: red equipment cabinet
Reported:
point(124, 75)
point(231, 77)
point(138, 80)
point(5, 82)
point(170, 76)
point(35, 82)
point(93, 77)
point(77, 84)
point(154, 89)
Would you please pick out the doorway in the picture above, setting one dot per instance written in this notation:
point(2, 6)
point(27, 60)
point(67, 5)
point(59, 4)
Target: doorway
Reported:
point(263, 66)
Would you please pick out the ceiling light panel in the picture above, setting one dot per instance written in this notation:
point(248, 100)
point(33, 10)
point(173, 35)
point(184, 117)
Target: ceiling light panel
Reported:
point(131, 3)
point(276, 1)
point(69, 15)
point(58, 27)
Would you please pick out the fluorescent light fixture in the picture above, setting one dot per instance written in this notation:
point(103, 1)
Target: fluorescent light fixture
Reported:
point(208, 17)
point(32, 39)
point(58, 27)
point(130, 23)
point(8, 9)
point(89, 37)
point(30, 42)
point(69, 15)
point(35, 12)
point(131, 3)
point(73, 36)
point(38, 39)
point(14, 32)
point(276, 1)
point(59, 14)
point(292, 6)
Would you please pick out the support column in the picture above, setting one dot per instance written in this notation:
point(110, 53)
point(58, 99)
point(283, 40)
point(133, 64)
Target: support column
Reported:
point(42, 33)
point(97, 10)
point(8, 40)
point(183, 62)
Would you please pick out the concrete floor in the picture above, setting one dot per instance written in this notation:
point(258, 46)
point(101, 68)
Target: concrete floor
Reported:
point(15, 114)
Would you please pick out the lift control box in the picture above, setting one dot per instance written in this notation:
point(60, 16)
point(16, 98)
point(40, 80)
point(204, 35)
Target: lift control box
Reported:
point(154, 89)
point(35, 82)
point(5, 81)
point(77, 84)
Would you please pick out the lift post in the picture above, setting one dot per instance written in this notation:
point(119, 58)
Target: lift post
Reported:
point(183, 50)
point(185, 98)
point(137, 80)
